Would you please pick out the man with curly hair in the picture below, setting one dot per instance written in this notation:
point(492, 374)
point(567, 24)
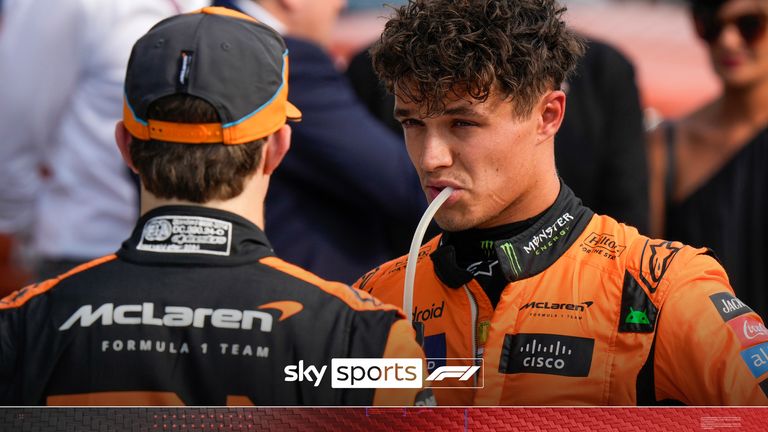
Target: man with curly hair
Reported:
point(559, 305)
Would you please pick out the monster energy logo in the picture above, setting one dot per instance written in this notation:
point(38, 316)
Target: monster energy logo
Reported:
point(487, 247)
point(514, 263)
point(549, 235)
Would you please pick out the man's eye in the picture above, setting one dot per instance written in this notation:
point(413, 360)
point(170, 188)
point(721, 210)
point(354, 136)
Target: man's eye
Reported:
point(463, 123)
point(406, 123)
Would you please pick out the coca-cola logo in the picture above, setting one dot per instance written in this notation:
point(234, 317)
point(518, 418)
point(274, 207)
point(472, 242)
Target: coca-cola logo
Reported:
point(754, 329)
point(749, 329)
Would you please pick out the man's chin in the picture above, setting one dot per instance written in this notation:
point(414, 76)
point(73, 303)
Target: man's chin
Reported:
point(452, 223)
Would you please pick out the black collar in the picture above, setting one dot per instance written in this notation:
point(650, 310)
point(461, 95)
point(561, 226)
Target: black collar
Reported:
point(530, 252)
point(195, 235)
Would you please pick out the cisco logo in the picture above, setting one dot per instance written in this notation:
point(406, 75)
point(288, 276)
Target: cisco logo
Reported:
point(546, 354)
point(552, 356)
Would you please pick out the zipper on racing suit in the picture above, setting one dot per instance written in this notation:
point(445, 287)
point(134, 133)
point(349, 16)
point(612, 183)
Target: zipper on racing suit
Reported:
point(473, 313)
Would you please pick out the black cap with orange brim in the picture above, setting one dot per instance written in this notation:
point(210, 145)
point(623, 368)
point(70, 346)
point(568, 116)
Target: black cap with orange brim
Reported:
point(230, 60)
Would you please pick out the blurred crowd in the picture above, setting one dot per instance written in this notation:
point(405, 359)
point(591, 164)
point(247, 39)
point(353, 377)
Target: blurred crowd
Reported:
point(347, 198)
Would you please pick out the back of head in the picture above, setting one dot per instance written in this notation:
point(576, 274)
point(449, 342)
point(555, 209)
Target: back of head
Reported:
point(432, 50)
point(202, 92)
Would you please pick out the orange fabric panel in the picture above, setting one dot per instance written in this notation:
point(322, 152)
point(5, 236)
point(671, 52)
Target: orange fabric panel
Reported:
point(118, 398)
point(401, 343)
point(238, 400)
point(23, 295)
point(690, 320)
point(218, 10)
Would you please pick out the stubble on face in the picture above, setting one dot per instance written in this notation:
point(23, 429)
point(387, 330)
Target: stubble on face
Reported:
point(484, 150)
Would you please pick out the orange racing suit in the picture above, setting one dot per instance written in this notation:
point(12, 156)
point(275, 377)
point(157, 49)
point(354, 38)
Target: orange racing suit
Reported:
point(593, 314)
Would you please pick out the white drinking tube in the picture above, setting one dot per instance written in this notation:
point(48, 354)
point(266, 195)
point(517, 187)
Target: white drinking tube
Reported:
point(413, 253)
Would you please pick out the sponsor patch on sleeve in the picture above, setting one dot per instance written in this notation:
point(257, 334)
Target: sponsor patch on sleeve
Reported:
point(728, 306)
point(757, 359)
point(638, 313)
point(186, 234)
point(749, 330)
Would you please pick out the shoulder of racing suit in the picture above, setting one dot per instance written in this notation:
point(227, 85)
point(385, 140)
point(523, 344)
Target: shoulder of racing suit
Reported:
point(355, 299)
point(390, 275)
point(18, 298)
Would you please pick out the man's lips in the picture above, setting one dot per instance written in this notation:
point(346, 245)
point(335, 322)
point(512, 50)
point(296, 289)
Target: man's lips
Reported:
point(434, 189)
point(730, 61)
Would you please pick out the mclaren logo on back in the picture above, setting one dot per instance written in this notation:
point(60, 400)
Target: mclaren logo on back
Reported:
point(181, 316)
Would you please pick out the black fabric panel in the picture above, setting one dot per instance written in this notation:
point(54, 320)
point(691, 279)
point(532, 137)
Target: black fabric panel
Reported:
point(367, 338)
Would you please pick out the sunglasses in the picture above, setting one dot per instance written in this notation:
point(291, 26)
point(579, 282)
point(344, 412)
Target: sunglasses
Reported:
point(751, 27)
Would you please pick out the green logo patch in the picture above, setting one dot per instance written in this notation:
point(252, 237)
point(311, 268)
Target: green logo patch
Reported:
point(637, 317)
point(638, 313)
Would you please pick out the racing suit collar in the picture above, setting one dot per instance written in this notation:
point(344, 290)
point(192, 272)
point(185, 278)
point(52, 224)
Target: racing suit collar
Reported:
point(194, 235)
point(529, 252)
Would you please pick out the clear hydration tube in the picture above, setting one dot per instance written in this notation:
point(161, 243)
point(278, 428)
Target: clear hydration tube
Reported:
point(413, 253)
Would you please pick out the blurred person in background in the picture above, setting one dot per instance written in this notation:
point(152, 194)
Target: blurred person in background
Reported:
point(709, 185)
point(347, 196)
point(600, 147)
point(65, 196)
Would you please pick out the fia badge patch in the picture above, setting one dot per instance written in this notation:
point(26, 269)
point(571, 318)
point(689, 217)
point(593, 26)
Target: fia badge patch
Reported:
point(186, 234)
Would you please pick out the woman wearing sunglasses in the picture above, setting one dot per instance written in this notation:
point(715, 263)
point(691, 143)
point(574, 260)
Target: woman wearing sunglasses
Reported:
point(709, 180)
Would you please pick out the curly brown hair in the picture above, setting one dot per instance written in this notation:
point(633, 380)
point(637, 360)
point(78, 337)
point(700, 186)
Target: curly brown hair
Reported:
point(434, 49)
point(193, 172)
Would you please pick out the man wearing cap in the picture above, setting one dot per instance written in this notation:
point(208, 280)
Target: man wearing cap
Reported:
point(195, 309)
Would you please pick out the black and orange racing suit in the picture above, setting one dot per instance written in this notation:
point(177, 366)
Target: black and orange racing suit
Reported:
point(194, 309)
point(593, 314)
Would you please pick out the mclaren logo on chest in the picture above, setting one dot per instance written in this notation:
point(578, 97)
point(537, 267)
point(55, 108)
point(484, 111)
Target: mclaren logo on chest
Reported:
point(181, 316)
point(581, 307)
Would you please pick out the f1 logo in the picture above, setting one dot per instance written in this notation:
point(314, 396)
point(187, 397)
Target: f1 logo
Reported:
point(463, 373)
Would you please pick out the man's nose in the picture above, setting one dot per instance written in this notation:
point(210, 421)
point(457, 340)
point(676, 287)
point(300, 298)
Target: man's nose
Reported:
point(730, 37)
point(436, 153)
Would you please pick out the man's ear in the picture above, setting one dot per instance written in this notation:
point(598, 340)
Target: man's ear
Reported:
point(124, 141)
point(277, 146)
point(552, 109)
